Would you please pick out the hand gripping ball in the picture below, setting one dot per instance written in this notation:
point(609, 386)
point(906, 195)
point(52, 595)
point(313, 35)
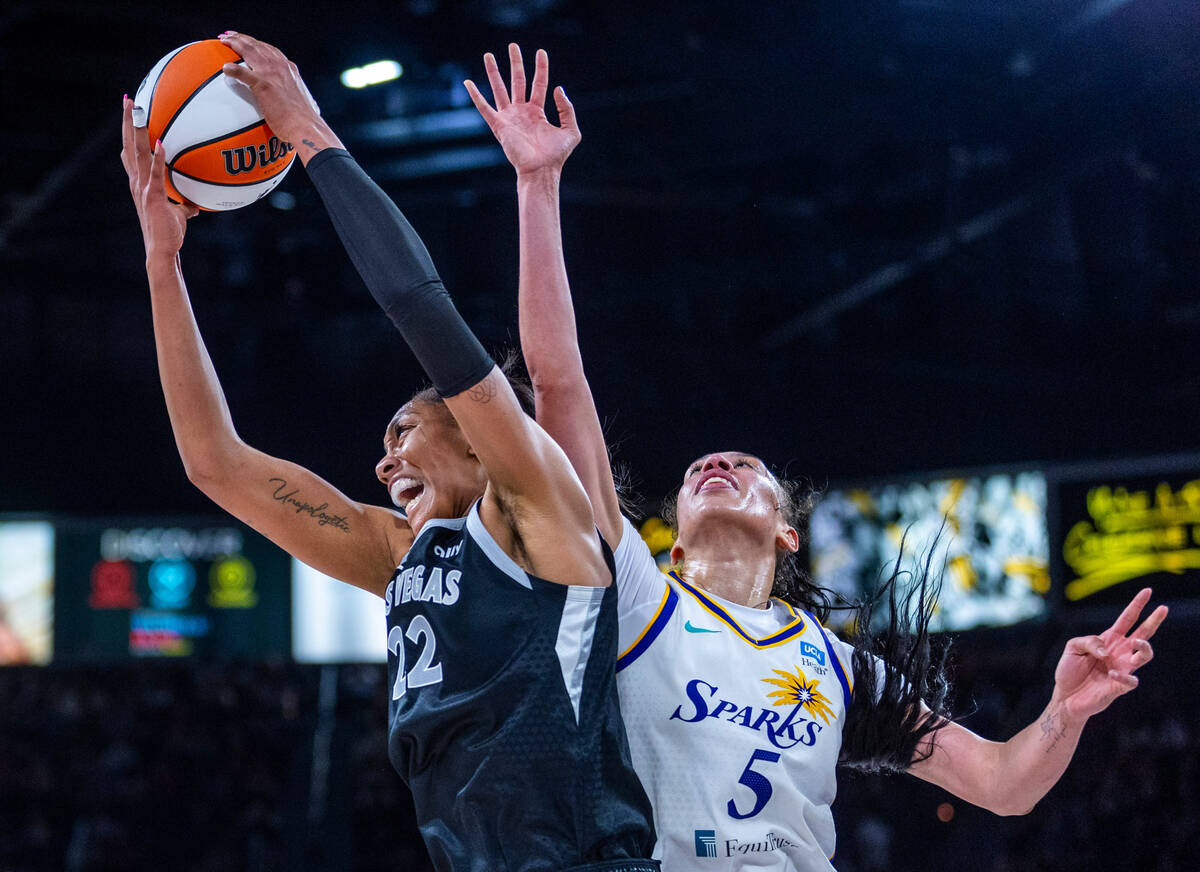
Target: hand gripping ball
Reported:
point(220, 153)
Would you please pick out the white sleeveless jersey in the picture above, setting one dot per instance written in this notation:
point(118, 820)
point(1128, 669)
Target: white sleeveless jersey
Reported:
point(734, 717)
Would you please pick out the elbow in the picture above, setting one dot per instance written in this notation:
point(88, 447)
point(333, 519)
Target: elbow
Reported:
point(555, 383)
point(1013, 810)
point(199, 472)
point(203, 474)
point(1011, 806)
point(554, 376)
point(208, 466)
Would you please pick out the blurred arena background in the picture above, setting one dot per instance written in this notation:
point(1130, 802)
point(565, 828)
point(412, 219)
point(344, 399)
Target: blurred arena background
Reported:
point(936, 257)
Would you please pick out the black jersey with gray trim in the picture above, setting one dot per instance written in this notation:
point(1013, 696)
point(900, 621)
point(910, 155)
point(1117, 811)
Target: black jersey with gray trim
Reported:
point(503, 717)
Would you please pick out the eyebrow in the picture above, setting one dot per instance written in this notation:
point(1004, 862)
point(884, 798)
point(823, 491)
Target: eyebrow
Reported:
point(761, 463)
point(393, 431)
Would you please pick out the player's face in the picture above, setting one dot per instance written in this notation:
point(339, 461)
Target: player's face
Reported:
point(428, 466)
point(730, 487)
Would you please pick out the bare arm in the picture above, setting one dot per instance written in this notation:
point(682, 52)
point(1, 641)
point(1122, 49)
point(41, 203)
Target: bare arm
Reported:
point(537, 149)
point(1011, 777)
point(294, 508)
point(534, 503)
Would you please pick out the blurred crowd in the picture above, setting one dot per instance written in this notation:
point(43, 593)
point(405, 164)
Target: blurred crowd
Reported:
point(147, 765)
point(152, 766)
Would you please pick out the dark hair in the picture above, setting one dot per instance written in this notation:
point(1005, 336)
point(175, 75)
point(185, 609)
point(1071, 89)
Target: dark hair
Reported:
point(513, 367)
point(512, 364)
point(901, 691)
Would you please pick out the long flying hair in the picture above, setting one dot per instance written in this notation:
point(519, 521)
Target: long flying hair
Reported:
point(901, 689)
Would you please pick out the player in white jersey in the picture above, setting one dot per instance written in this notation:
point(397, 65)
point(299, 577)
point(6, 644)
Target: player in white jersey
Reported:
point(739, 706)
point(755, 698)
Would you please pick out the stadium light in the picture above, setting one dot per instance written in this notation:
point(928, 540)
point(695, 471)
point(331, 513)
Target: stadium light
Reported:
point(371, 74)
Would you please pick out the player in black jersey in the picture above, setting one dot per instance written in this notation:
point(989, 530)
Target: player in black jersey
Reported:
point(498, 589)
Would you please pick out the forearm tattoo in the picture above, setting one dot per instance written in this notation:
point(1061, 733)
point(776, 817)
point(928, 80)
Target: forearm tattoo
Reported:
point(1053, 729)
point(292, 499)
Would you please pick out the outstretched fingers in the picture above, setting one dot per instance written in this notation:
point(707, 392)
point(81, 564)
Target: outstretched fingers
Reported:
point(541, 79)
point(1150, 626)
point(481, 103)
point(566, 111)
point(499, 92)
point(516, 70)
point(1128, 617)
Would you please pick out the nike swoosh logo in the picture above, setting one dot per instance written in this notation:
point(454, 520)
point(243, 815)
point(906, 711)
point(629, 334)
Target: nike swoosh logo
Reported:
point(688, 626)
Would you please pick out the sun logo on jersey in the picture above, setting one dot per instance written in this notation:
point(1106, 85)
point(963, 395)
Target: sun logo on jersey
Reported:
point(796, 689)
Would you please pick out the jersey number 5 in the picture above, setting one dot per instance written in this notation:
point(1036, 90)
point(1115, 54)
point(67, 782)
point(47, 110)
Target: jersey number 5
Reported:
point(425, 671)
point(757, 782)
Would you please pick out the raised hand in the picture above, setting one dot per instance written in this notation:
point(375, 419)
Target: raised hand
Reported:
point(163, 223)
point(1095, 670)
point(275, 82)
point(530, 142)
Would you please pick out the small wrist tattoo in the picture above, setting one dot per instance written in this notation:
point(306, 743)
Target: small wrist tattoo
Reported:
point(482, 392)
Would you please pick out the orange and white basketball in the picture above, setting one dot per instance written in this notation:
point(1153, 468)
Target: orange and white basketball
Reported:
point(220, 153)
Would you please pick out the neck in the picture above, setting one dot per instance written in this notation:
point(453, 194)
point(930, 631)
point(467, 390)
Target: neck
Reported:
point(731, 566)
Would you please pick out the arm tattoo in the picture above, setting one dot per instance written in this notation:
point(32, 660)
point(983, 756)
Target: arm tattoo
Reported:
point(1052, 729)
point(292, 500)
point(482, 392)
point(310, 144)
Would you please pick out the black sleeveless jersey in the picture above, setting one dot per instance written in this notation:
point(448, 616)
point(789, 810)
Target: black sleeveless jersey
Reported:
point(503, 717)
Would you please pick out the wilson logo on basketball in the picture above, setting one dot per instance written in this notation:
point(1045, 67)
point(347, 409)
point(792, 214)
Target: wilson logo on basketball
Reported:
point(247, 157)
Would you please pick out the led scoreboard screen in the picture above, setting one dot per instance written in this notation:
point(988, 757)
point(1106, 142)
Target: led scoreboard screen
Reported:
point(214, 589)
point(1118, 534)
point(992, 544)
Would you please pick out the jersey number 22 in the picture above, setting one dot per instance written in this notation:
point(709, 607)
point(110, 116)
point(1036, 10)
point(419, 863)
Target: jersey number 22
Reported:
point(424, 671)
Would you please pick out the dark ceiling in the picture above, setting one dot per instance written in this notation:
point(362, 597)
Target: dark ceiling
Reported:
point(856, 239)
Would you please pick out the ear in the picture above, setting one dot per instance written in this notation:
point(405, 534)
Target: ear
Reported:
point(788, 539)
point(676, 553)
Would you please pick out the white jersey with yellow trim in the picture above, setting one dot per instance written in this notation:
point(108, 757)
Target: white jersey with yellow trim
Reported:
point(734, 716)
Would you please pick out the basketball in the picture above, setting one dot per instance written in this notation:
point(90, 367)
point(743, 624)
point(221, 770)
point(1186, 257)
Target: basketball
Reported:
point(220, 153)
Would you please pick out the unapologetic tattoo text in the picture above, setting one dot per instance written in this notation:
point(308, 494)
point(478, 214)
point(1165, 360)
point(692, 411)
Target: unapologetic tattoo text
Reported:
point(291, 499)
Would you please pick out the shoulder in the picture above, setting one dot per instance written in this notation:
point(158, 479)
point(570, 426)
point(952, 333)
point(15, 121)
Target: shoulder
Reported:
point(638, 576)
point(544, 545)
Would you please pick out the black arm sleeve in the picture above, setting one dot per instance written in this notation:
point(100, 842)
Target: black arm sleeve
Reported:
point(397, 270)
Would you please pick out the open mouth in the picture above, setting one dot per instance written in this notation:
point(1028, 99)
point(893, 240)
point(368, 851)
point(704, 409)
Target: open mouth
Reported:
point(716, 481)
point(406, 493)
